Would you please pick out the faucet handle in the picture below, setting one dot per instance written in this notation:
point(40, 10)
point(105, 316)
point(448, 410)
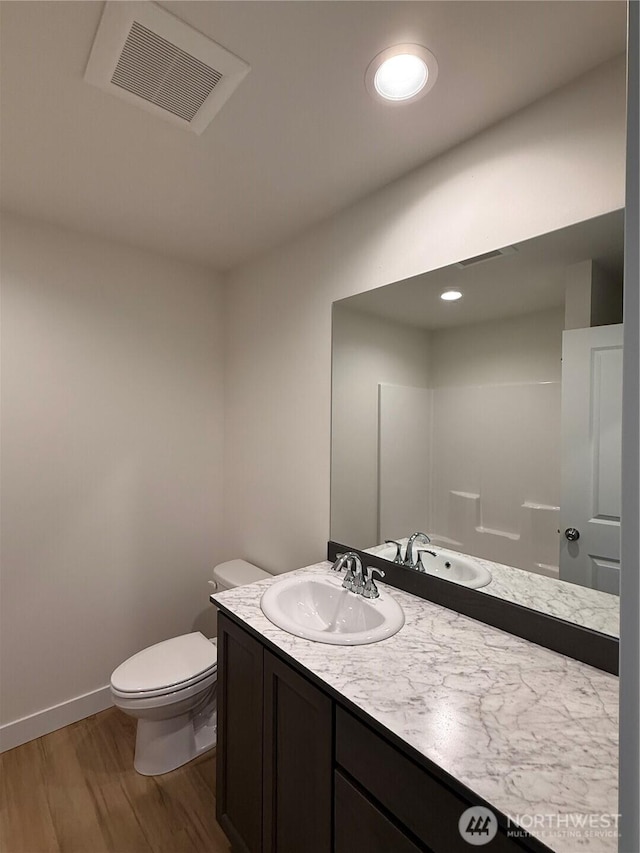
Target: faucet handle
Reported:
point(398, 556)
point(420, 567)
point(370, 589)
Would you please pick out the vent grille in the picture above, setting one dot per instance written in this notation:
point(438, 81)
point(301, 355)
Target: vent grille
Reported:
point(487, 256)
point(147, 57)
point(163, 74)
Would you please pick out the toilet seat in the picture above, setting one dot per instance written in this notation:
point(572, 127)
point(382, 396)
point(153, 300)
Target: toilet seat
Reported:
point(185, 688)
point(179, 664)
point(180, 696)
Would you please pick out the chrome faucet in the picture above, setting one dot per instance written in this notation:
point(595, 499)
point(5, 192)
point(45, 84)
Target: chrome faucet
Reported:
point(357, 579)
point(408, 557)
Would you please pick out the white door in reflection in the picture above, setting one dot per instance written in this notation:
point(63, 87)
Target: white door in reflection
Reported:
point(591, 457)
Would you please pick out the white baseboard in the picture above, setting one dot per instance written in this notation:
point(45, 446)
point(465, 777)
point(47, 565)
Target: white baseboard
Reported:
point(50, 719)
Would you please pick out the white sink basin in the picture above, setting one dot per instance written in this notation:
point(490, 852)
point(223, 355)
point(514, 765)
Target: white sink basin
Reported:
point(320, 609)
point(461, 568)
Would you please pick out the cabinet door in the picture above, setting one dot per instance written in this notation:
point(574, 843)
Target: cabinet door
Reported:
point(359, 825)
point(239, 751)
point(298, 759)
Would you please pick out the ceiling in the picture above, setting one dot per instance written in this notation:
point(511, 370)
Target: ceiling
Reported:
point(300, 138)
point(533, 278)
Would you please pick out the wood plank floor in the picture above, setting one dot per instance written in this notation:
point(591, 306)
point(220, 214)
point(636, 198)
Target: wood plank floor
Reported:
point(75, 791)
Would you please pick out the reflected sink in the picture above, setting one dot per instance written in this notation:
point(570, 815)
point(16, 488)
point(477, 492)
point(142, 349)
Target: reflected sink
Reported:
point(320, 609)
point(461, 568)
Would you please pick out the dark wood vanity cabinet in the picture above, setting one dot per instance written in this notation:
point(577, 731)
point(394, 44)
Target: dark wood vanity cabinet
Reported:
point(299, 773)
point(240, 736)
point(297, 761)
point(275, 751)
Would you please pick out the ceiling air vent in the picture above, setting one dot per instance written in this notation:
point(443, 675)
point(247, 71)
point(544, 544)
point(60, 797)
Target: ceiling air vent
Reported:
point(488, 256)
point(152, 59)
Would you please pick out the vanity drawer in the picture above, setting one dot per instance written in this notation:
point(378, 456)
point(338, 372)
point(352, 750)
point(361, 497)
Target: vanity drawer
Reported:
point(427, 808)
point(359, 825)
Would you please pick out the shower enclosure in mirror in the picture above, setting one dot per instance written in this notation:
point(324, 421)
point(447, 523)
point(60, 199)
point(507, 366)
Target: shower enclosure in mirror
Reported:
point(490, 422)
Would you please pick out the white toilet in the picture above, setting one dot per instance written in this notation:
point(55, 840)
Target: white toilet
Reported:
point(171, 689)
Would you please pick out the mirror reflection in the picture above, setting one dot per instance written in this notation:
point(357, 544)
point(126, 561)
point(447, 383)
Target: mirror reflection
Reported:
point(490, 422)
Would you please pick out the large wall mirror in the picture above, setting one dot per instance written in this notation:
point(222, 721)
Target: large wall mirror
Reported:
point(490, 422)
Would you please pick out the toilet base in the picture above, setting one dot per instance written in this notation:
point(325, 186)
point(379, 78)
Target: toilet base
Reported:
point(165, 745)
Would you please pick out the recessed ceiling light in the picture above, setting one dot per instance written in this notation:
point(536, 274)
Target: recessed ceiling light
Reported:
point(451, 295)
point(403, 73)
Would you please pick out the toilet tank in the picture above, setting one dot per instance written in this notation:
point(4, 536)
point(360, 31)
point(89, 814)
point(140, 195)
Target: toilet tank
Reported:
point(235, 573)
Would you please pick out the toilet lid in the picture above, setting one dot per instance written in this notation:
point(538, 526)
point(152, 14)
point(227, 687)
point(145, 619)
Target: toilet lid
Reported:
point(170, 663)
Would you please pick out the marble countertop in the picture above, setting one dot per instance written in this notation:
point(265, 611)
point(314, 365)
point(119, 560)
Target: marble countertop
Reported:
point(531, 731)
point(580, 605)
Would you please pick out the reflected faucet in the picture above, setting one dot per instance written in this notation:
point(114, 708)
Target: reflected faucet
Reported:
point(408, 557)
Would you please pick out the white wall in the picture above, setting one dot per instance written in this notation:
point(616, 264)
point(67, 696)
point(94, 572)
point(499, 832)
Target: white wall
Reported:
point(111, 461)
point(367, 350)
point(527, 348)
point(553, 164)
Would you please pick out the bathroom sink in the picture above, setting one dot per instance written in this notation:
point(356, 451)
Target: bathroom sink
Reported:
point(320, 609)
point(459, 568)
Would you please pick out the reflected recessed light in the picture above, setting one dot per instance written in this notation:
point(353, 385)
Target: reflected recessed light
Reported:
point(451, 295)
point(402, 73)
